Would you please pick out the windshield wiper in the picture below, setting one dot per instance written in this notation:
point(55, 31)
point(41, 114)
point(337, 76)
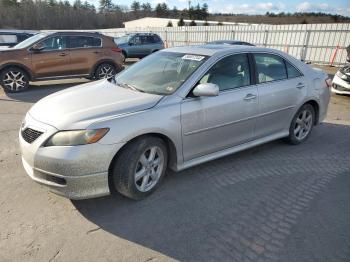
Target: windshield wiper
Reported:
point(132, 87)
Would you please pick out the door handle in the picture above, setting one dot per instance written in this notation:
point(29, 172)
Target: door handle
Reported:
point(62, 54)
point(249, 97)
point(300, 85)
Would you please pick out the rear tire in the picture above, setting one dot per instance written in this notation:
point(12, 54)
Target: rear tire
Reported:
point(14, 80)
point(140, 167)
point(105, 71)
point(302, 124)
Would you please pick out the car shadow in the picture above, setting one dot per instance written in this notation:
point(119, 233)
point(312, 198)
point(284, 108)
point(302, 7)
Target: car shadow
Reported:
point(243, 206)
point(41, 89)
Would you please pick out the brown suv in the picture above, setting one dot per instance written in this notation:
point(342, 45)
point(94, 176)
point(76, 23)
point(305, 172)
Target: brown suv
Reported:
point(59, 55)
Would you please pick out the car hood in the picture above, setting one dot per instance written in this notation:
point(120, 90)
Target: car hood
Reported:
point(80, 106)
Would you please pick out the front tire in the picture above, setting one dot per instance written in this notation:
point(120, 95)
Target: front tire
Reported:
point(302, 124)
point(140, 167)
point(14, 80)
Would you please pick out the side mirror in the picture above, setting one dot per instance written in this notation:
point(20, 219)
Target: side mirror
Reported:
point(38, 47)
point(131, 43)
point(207, 89)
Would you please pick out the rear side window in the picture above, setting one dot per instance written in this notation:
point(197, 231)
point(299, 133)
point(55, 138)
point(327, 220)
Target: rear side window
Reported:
point(270, 68)
point(154, 39)
point(8, 39)
point(292, 71)
point(84, 42)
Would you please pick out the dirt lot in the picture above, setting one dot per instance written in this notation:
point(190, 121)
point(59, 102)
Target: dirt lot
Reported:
point(275, 202)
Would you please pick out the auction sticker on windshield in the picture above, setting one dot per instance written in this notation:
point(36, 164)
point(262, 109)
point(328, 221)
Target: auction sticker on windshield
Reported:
point(193, 57)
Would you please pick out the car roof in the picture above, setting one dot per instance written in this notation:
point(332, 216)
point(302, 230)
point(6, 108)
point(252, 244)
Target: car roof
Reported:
point(18, 31)
point(217, 49)
point(73, 33)
point(141, 34)
point(226, 41)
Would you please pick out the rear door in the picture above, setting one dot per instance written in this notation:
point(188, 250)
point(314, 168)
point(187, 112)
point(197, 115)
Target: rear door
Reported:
point(281, 88)
point(85, 51)
point(211, 124)
point(53, 60)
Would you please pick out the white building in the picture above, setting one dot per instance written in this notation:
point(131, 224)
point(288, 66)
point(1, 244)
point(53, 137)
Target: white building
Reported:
point(163, 22)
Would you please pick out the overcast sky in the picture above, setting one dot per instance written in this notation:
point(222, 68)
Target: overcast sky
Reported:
point(341, 7)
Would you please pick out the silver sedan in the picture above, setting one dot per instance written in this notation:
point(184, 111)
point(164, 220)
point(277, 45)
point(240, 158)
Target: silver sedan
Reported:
point(175, 109)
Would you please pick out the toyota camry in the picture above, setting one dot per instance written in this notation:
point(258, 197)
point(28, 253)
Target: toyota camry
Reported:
point(174, 109)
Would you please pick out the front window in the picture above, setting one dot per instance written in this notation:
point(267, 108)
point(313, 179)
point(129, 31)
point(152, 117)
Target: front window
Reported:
point(55, 43)
point(31, 40)
point(230, 72)
point(161, 73)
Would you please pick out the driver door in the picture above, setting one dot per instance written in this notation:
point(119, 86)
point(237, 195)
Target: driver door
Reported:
point(135, 46)
point(53, 60)
point(211, 124)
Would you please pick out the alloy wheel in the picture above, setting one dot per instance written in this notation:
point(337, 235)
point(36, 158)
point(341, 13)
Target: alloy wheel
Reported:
point(106, 71)
point(14, 81)
point(303, 124)
point(149, 169)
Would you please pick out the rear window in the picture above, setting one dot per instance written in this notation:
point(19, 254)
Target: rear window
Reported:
point(84, 42)
point(8, 39)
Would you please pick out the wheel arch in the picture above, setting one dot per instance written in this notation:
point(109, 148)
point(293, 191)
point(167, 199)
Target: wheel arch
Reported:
point(100, 62)
point(171, 148)
point(22, 67)
point(316, 107)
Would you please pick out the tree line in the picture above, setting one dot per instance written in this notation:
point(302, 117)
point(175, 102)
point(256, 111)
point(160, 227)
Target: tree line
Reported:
point(61, 14)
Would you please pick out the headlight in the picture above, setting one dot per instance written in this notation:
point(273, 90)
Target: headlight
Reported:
point(76, 137)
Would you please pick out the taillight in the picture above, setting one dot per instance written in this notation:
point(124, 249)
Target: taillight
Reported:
point(116, 49)
point(328, 82)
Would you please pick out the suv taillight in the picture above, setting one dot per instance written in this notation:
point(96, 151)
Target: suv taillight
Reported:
point(328, 82)
point(116, 49)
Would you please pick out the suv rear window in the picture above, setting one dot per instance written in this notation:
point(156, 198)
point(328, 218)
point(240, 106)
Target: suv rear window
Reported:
point(84, 42)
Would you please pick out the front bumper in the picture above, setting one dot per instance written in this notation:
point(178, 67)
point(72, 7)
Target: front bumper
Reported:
point(340, 86)
point(76, 172)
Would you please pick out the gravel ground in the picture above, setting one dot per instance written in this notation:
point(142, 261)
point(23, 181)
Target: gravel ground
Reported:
point(275, 202)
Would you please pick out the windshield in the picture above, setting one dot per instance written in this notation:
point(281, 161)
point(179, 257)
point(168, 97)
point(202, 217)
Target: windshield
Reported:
point(160, 73)
point(31, 40)
point(122, 40)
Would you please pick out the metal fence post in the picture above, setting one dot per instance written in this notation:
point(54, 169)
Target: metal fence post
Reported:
point(166, 37)
point(266, 37)
point(233, 34)
point(186, 37)
point(305, 45)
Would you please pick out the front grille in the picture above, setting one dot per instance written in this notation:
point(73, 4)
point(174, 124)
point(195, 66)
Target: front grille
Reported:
point(30, 135)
